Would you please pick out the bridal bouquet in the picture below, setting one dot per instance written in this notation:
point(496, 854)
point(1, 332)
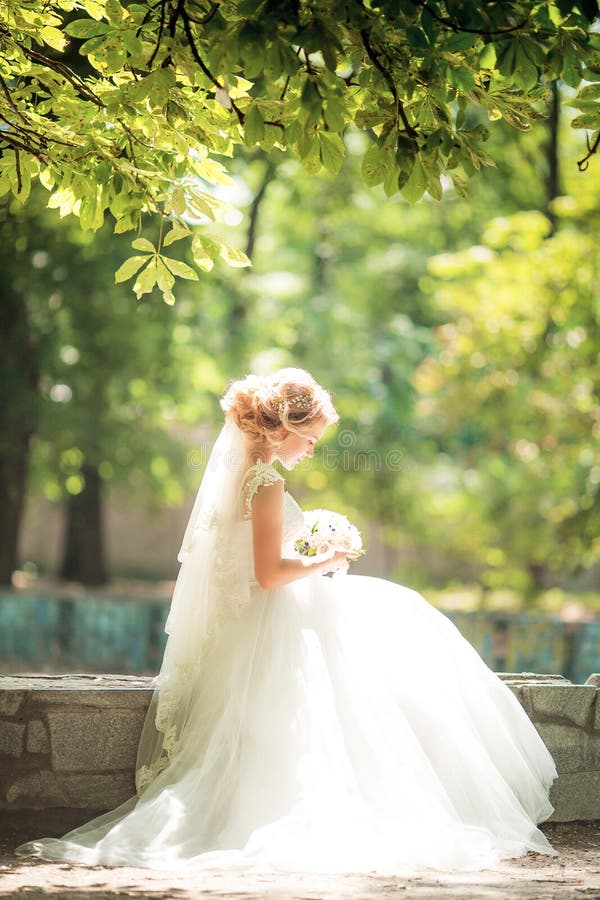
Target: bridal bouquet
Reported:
point(326, 532)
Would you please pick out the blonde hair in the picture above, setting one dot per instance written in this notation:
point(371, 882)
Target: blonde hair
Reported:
point(266, 407)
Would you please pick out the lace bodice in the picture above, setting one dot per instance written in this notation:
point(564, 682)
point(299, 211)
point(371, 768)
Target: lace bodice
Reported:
point(293, 520)
point(257, 475)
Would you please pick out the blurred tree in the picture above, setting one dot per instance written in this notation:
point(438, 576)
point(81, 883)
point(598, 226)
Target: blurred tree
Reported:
point(513, 396)
point(171, 85)
point(90, 388)
point(339, 284)
point(97, 390)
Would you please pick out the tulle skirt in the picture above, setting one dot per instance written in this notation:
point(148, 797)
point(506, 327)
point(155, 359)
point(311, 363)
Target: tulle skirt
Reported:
point(341, 725)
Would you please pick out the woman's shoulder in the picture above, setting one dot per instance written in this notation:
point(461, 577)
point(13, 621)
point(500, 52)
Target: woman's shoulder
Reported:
point(264, 471)
point(259, 474)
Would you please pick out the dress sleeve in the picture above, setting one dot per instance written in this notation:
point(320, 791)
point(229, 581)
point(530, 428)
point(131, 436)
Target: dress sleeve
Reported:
point(256, 476)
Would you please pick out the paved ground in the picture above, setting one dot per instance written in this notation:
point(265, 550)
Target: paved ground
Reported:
point(573, 874)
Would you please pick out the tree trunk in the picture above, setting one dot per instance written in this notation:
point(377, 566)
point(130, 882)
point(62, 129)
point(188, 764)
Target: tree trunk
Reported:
point(238, 315)
point(13, 472)
point(552, 158)
point(83, 558)
point(18, 419)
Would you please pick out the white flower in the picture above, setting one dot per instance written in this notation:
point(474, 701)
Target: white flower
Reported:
point(326, 532)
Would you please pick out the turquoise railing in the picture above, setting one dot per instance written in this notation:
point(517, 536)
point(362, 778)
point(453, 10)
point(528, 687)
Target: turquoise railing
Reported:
point(124, 636)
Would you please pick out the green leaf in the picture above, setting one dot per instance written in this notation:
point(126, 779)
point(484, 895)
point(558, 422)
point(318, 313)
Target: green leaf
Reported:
point(333, 113)
point(94, 8)
point(460, 41)
point(589, 92)
point(146, 280)
point(53, 37)
point(461, 78)
point(460, 185)
point(176, 233)
point(329, 56)
point(507, 55)
point(114, 11)
point(234, 257)
point(332, 151)
point(178, 201)
point(178, 268)
point(416, 185)
point(434, 186)
point(310, 152)
point(487, 57)
point(207, 244)
point(390, 182)
point(143, 244)
point(590, 121)
point(417, 38)
point(165, 281)
point(525, 71)
point(47, 179)
point(375, 166)
point(130, 267)
point(86, 28)
point(310, 99)
point(91, 214)
point(202, 257)
point(254, 126)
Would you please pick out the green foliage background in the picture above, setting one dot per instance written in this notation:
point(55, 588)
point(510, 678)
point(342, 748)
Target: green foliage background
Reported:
point(461, 343)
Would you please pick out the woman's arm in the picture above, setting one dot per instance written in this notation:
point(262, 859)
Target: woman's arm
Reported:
point(270, 569)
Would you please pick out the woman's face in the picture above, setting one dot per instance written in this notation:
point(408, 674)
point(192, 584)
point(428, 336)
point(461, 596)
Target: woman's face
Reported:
point(296, 447)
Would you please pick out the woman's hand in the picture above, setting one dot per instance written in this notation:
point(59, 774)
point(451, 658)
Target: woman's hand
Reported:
point(339, 562)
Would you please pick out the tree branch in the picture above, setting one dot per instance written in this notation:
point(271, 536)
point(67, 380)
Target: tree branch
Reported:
point(84, 92)
point(16, 144)
point(161, 26)
point(18, 171)
point(582, 164)
point(207, 17)
point(443, 20)
point(411, 132)
point(10, 100)
point(255, 207)
point(201, 63)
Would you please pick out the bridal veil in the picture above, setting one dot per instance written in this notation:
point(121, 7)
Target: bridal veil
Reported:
point(213, 578)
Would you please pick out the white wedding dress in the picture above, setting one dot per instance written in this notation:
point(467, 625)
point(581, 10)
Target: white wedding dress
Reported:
point(340, 725)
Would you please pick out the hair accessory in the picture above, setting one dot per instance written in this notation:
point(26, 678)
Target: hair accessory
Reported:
point(301, 403)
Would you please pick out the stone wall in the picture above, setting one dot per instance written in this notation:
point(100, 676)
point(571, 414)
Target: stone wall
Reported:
point(71, 741)
point(567, 717)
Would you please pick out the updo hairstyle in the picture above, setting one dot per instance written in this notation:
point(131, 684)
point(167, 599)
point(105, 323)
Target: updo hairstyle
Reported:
point(265, 408)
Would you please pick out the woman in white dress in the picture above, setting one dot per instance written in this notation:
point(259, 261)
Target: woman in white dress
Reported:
point(302, 723)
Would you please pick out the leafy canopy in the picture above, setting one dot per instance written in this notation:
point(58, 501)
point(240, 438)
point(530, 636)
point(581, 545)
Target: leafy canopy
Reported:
point(130, 108)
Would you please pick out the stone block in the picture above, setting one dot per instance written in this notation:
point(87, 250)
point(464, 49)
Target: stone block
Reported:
point(571, 702)
point(42, 788)
point(521, 692)
point(119, 698)
point(576, 796)
point(11, 702)
point(594, 680)
point(573, 749)
point(11, 738)
point(86, 740)
point(532, 677)
point(37, 740)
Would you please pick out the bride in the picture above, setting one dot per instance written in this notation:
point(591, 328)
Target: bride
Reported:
point(306, 723)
